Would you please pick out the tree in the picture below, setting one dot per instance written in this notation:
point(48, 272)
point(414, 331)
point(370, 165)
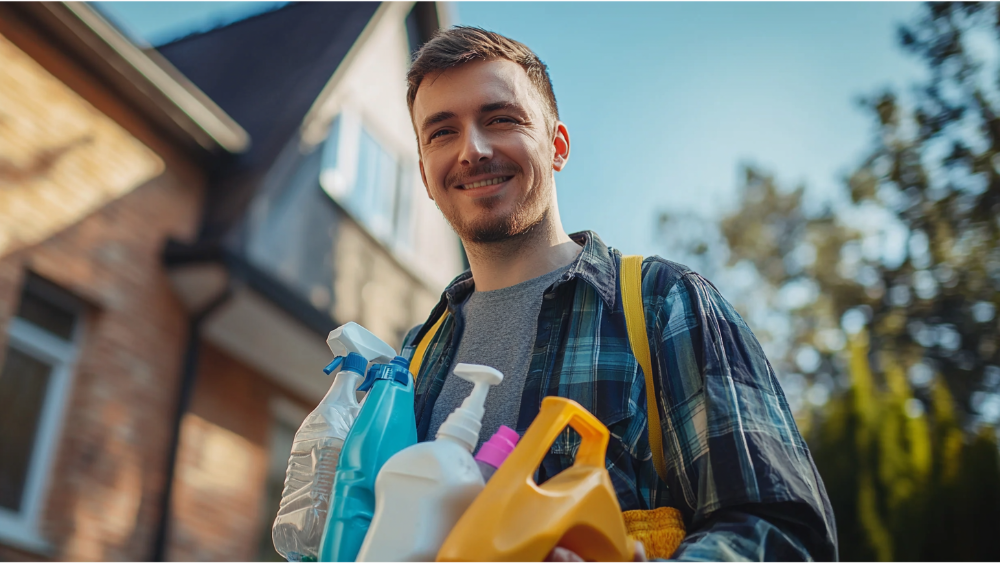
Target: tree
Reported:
point(913, 258)
point(879, 311)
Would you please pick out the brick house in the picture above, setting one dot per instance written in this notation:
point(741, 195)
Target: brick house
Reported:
point(179, 229)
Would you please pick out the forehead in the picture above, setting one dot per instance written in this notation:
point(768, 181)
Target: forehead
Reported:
point(467, 87)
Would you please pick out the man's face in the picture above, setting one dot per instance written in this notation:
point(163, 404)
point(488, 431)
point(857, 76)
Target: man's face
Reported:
point(487, 155)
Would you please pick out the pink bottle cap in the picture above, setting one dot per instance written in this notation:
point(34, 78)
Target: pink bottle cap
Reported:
point(498, 447)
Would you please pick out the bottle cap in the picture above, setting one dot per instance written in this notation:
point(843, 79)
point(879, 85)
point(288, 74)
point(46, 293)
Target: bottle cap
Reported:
point(398, 370)
point(498, 447)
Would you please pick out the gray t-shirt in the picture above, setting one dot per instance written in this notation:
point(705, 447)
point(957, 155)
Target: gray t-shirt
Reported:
point(499, 332)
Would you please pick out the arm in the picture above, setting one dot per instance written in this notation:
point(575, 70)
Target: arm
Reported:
point(737, 467)
point(748, 534)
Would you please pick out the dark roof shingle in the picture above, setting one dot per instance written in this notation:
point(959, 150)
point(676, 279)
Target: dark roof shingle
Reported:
point(267, 70)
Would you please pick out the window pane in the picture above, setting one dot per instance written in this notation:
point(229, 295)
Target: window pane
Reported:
point(23, 383)
point(45, 314)
point(374, 196)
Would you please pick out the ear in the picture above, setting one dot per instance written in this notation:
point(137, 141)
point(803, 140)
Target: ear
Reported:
point(560, 142)
point(423, 178)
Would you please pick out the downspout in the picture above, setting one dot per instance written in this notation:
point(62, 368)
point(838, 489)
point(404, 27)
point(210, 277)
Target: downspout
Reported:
point(189, 375)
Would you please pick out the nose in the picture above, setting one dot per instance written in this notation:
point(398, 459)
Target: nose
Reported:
point(476, 148)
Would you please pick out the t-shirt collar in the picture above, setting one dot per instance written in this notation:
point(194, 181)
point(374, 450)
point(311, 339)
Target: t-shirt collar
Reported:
point(594, 265)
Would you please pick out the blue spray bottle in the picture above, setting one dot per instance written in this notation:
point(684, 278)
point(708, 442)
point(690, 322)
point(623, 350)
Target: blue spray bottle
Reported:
point(384, 426)
point(312, 464)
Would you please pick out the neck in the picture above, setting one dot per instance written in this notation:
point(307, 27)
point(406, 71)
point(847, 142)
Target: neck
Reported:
point(544, 248)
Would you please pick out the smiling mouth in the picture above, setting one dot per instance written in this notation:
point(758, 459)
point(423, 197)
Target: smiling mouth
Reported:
point(484, 183)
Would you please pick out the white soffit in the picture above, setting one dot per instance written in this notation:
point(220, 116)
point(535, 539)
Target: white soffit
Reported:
point(198, 284)
point(261, 335)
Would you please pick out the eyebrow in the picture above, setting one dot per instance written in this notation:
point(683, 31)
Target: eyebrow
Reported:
point(496, 106)
point(437, 118)
point(485, 108)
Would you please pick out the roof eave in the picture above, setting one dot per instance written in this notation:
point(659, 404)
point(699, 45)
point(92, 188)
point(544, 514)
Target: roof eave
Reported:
point(181, 106)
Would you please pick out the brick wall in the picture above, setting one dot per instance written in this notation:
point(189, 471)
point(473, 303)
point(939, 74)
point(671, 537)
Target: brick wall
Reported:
point(100, 209)
point(222, 463)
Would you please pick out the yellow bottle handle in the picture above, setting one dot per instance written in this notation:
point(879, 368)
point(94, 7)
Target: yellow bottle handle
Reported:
point(555, 415)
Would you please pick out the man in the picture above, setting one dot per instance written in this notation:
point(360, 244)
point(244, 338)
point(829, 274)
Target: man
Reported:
point(544, 308)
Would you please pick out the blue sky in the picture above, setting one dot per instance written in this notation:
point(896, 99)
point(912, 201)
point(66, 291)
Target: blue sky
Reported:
point(663, 101)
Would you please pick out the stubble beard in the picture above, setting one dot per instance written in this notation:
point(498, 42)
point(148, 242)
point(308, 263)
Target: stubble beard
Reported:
point(527, 214)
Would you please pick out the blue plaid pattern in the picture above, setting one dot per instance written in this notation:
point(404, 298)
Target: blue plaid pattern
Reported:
point(737, 467)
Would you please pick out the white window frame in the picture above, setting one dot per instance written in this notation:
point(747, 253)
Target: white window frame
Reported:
point(22, 529)
point(339, 171)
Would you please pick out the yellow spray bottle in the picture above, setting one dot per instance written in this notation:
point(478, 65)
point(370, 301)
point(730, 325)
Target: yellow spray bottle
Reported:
point(515, 519)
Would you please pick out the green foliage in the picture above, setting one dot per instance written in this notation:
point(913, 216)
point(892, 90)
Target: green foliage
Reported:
point(879, 308)
point(904, 484)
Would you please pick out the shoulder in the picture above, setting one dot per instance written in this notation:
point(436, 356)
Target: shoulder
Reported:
point(669, 286)
point(661, 275)
point(664, 280)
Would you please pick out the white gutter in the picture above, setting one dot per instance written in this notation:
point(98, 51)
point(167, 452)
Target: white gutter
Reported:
point(158, 73)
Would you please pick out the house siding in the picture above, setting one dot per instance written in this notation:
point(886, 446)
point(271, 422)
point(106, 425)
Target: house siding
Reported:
point(216, 513)
point(90, 190)
point(95, 220)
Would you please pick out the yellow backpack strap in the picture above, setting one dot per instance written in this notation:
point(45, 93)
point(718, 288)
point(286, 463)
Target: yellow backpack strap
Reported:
point(418, 354)
point(635, 321)
point(662, 529)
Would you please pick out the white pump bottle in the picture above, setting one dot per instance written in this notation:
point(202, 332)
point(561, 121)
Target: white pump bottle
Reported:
point(305, 500)
point(423, 490)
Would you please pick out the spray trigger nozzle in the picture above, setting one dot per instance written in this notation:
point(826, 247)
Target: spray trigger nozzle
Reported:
point(352, 337)
point(333, 365)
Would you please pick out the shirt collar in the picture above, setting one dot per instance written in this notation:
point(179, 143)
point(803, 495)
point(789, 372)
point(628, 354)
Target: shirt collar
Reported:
point(595, 265)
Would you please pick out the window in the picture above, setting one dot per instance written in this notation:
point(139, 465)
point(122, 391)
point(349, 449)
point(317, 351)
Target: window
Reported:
point(34, 379)
point(367, 178)
point(287, 418)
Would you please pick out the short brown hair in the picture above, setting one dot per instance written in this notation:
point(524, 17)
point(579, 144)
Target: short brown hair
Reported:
point(463, 44)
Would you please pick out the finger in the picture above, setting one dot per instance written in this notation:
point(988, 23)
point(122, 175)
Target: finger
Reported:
point(640, 552)
point(562, 554)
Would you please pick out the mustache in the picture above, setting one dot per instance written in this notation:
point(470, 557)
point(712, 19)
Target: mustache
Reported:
point(498, 168)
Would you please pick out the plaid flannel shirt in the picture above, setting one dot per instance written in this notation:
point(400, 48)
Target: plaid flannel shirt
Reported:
point(737, 468)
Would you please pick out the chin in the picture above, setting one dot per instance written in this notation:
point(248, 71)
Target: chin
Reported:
point(492, 219)
point(497, 228)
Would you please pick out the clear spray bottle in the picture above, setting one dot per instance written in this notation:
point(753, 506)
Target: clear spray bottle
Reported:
point(305, 500)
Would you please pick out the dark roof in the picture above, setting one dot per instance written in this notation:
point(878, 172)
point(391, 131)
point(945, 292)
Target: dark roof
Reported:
point(267, 70)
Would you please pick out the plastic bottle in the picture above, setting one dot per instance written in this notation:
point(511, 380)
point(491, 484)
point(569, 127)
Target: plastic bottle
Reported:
point(495, 451)
point(316, 447)
point(515, 519)
point(423, 490)
point(385, 425)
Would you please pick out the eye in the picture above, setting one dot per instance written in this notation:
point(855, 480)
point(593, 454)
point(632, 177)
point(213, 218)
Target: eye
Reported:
point(503, 120)
point(439, 133)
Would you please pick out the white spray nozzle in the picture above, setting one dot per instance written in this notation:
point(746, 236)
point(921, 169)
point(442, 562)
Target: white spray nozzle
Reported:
point(482, 378)
point(465, 422)
point(353, 337)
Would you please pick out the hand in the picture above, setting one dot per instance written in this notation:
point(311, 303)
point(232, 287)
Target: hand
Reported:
point(562, 554)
